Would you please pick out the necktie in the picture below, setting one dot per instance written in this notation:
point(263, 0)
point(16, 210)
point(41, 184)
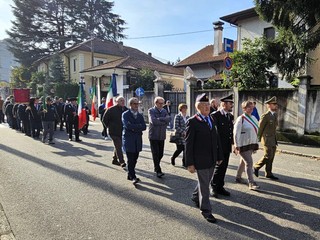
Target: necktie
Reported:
point(228, 116)
point(208, 121)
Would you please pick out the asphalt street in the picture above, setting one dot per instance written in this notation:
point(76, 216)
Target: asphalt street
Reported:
point(72, 191)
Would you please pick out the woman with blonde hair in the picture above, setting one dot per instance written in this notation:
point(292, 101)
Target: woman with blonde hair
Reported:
point(180, 122)
point(246, 142)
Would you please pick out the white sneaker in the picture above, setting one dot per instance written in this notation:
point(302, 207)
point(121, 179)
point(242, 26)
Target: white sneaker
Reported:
point(253, 186)
point(106, 138)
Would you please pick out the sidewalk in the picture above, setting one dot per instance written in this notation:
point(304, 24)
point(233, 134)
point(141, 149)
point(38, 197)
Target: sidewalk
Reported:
point(5, 229)
point(299, 150)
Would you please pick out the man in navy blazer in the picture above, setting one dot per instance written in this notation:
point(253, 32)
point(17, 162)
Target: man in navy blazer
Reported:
point(203, 151)
point(133, 126)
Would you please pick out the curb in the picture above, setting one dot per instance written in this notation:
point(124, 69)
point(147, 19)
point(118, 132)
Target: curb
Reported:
point(5, 228)
point(299, 154)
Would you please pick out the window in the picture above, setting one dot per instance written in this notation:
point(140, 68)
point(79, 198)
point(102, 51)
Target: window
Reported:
point(99, 62)
point(74, 64)
point(269, 33)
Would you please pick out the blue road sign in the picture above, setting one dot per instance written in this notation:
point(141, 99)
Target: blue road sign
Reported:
point(140, 92)
point(228, 45)
point(228, 63)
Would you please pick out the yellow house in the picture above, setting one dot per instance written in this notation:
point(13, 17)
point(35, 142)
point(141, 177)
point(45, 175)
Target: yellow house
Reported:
point(96, 60)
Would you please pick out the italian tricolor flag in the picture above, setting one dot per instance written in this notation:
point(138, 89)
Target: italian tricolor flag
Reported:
point(93, 104)
point(112, 91)
point(81, 110)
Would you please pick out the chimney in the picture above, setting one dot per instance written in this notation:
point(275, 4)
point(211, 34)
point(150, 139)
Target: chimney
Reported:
point(150, 54)
point(121, 46)
point(217, 46)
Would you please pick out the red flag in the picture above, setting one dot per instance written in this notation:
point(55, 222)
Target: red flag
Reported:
point(93, 104)
point(82, 113)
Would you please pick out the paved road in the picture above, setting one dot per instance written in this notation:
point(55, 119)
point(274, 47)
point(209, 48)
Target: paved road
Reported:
point(72, 191)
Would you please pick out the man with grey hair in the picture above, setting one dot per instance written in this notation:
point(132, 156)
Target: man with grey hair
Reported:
point(203, 151)
point(112, 120)
point(158, 121)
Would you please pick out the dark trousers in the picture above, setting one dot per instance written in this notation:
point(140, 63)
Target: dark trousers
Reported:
point(75, 125)
point(26, 127)
point(217, 182)
point(1, 117)
point(117, 153)
point(157, 147)
point(132, 161)
point(35, 128)
point(180, 148)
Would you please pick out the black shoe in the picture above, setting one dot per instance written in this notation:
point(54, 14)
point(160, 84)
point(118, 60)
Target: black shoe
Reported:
point(210, 218)
point(135, 181)
point(173, 161)
point(256, 172)
point(196, 201)
point(123, 165)
point(272, 177)
point(129, 178)
point(214, 193)
point(78, 140)
point(160, 174)
point(115, 162)
point(224, 192)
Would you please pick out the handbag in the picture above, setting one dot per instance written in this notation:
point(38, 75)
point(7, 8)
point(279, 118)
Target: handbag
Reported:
point(173, 138)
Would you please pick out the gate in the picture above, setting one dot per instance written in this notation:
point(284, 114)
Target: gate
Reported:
point(175, 98)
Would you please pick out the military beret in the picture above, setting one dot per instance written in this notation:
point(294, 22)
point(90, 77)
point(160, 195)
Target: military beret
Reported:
point(227, 98)
point(272, 100)
point(73, 99)
point(48, 99)
point(202, 98)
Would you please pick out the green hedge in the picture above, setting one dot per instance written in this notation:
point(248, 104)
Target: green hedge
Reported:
point(312, 140)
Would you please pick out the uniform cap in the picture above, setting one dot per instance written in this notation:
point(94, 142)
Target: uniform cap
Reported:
point(227, 98)
point(73, 99)
point(271, 100)
point(202, 98)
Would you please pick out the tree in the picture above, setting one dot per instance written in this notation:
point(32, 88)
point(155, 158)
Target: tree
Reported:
point(45, 26)
point(20, 77)
point(297, 23)
point(145, 79)
point(57, 73)
point(251, 64)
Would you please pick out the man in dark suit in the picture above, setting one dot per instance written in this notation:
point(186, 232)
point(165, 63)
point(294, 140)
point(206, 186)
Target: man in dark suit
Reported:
point(224, 122)
point(267, 135)
point(72, 119)
point(203, 151)
point(168, 108)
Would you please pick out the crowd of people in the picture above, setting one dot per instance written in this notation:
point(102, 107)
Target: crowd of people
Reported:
point(205, 139)
point(43, 115)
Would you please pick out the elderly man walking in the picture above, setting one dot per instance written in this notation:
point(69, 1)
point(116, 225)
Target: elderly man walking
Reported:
point(203, 151)
point(112, 120)
point(158, 121)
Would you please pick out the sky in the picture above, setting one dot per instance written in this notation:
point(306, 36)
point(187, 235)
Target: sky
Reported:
point(145, 18)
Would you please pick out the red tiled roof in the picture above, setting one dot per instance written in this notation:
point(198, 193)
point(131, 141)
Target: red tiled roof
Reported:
point(205, 55)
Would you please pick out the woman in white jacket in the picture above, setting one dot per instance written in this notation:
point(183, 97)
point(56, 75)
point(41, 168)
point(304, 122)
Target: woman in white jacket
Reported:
point(246, 142)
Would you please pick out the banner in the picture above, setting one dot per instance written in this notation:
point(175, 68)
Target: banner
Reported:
point(21, 95)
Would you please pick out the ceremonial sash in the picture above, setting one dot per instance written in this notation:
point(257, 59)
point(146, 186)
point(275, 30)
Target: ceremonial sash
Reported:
point(251, 121)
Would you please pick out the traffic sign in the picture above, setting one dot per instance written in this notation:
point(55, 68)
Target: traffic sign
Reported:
point(140, 92)
point(228, 63)
point(228, 45)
